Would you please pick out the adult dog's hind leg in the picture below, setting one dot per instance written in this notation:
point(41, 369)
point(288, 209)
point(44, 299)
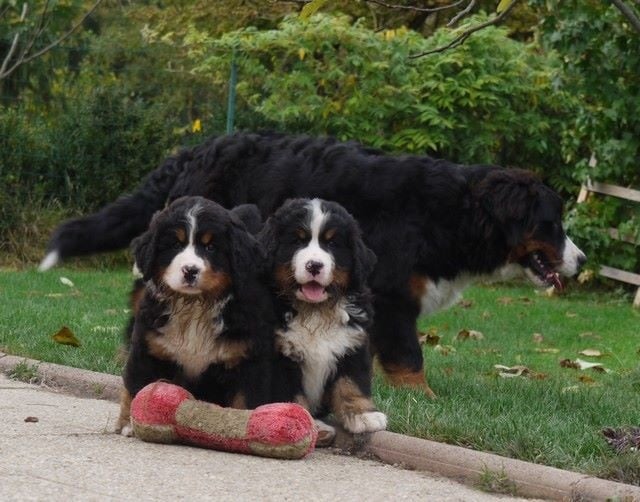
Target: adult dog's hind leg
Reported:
point(395, 342)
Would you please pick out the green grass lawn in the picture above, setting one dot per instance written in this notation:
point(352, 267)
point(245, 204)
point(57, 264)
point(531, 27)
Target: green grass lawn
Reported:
point(553, 415)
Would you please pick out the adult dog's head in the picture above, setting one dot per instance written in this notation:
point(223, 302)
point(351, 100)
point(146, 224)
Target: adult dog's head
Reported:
point(315, 251)
point(196, 247)
point(527, 216)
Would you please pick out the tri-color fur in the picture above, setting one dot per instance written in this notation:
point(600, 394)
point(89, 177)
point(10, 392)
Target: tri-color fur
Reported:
point(204, 322)
point(319, 266)
point(435, 226)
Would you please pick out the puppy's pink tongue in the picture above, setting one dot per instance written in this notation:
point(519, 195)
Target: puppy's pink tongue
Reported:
point(313, 292)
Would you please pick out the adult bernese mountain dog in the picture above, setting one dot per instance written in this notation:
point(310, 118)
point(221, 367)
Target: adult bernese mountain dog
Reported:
point(435, 226)
point(318, 266)
point(205, 320)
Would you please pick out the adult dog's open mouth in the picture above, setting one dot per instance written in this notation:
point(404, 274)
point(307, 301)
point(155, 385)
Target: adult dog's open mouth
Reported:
point(542, 270)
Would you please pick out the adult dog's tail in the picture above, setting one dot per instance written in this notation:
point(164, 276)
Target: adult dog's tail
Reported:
point(115, 225)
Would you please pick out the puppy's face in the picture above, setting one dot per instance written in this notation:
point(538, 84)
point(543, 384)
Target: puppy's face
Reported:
point(190, 248)
point(316, 250)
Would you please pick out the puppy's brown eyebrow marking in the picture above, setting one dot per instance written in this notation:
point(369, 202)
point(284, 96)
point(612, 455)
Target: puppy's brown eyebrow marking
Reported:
point(181, 235)
point(328, 235)
point(301, 233)
point(206, 238)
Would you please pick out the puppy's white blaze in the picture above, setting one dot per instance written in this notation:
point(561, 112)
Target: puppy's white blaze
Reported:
point(313, 251)
point(571, 257)
point(370, 421)
point(49, 261)
point(191, 219)
point(174, 276)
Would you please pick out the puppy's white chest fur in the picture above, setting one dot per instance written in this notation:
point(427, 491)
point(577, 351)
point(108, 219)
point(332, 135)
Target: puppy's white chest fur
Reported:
point(316, 338)
point(191, 336)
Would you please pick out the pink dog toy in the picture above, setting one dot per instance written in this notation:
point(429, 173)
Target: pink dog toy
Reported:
point(166, 413)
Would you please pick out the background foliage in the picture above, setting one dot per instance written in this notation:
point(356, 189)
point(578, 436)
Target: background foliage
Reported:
point(556, 91)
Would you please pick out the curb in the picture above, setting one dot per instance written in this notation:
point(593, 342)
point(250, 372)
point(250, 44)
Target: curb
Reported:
point(454, 462)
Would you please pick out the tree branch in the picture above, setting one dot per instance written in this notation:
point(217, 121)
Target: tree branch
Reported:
point(24, 57)
point(14, 43)
point(463, 13)
point(628, 13)
point(417, 9)
point(460, 39)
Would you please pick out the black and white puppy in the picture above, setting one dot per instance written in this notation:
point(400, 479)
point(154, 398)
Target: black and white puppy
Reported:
point(204, 320)
point(319, 267)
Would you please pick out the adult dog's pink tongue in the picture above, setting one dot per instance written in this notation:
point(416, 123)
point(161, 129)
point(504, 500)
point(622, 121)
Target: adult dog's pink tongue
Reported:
point(313, 291)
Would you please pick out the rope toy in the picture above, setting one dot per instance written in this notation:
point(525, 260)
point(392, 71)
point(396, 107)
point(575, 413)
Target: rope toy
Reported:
point(165, 413)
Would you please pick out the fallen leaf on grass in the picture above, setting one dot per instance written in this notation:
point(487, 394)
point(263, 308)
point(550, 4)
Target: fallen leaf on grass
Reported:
point(31, 420)
point(486, 315)
point(429, 337)
point(590, 353)
point(67, 282)
point(538, 338)
point(549, 292)
point(445, 350)
point(571, 314)
point(586, 379)
point(547, 351)
point(505, 300)
point(589, 334)
point(623, 438)
point(105, 329)
point(518, 370)
point(465, 304)
point(511, 371)
point(469, 334)
point(579, 364)
point(54, 295)
point(586, 276)
point(66, 337)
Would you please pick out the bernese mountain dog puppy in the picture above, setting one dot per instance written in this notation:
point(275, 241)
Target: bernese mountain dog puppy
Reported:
point(435, 226)
point(204, 319)
point(319, 266)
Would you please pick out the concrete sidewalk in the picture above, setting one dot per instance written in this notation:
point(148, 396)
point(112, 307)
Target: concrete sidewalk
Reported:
point(69, 453)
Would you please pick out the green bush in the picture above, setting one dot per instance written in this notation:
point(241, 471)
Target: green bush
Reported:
point(87, 155)
point(601, 139)
point(491, 100)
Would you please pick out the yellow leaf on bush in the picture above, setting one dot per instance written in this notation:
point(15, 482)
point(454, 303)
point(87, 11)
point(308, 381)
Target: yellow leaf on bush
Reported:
point(301, 53)
point(197, 126)
point(503, 5)
point(66, 337)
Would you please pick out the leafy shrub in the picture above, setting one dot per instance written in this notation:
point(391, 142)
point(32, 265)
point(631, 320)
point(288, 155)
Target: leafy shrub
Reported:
point(491, 100)
point(601, 139)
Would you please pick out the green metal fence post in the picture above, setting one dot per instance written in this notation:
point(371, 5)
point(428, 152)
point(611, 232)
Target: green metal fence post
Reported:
point(231, 102)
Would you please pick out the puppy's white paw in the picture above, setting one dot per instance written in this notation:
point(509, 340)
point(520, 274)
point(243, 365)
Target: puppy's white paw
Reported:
point(326, 434)
point(127, 431)
point(370, 421)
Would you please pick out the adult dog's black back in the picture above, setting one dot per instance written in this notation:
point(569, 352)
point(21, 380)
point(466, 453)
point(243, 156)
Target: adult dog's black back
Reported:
point(434, 225)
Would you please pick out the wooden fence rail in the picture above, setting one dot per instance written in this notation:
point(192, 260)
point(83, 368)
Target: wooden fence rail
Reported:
point(626, 194)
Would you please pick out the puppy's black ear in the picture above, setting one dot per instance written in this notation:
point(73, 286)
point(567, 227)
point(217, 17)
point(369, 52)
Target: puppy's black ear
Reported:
point(247, 255)
point(364, 261)
point(509, 198)
point(144, 253)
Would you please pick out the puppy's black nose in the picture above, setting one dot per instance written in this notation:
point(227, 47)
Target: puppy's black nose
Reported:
point(314, 267)
point(190, 273)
